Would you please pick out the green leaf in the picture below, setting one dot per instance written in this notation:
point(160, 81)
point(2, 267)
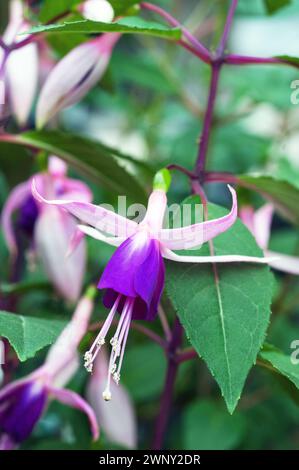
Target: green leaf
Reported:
point(27, 335)
point(225, 315)
point(51, 10)
point(126, 25)
point(284, 195)
point(144, 371)
point(107, 167)
point(206, 426)
point(275, 360)
point(122, 6)
point(274, 5)
point(288, 59)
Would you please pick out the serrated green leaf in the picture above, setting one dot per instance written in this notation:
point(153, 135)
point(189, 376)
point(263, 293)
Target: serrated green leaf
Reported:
point(104, 165)
point(283, 194)
point(207, 426)
point(131, 24)
point(273, 358)
point(27, 335)
point(225, 320)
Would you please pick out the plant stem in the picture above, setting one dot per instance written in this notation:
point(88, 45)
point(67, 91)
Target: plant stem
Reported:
point(166, 399)
point(227, 28)
point(205, 137)
point(201, 50)
point(234, 59)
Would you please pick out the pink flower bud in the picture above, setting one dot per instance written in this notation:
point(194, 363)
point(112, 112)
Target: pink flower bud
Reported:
point(72, 78)
point(97, 10)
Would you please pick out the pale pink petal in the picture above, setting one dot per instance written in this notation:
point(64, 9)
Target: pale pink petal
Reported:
point(97, 10)
point(75, 241)
point(57, 167)
point(116, 417)
point(246, 214)
point(15, 200)
point(285, 263)
point(64, 350)
point(74, 76)
point(76, 190)
point(66, 373)
point(70, 398)
point(92, 232)
point(262, 225)
point(194, 235)
point(16, 18)
point(53, 231)
point(96, 216)
point(168, 254)
point(22, 78)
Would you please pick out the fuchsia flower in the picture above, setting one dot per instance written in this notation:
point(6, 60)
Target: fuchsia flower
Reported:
point(22, 87)
point(23, 402)
point(259, 223)
point(49, 228)
point(117, 419)
point(74, 76)
point(134, 277)
point(97, 10)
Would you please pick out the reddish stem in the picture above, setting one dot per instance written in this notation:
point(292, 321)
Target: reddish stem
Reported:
point(207, 124)
point(227, 28)
point(201, 50)
point(166, 399)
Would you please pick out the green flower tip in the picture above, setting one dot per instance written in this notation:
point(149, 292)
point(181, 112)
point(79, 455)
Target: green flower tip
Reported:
point(162, 180)
point(91, 292)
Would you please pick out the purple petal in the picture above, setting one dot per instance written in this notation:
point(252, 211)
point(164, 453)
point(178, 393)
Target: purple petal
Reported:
point(6, 442)
point(53, 232)
point(15, 201)
point(70, 398)
point(194, 235)
point(21, 408)
point(96, 216)
point(135, 270)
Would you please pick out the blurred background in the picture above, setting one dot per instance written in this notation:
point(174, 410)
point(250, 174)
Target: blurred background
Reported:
point(150, 105)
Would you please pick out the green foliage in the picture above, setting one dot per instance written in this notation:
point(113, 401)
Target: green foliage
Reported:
point(274, 5)
point(207, 426)
point(218, 309)
point(126, 25)
point(28, 335)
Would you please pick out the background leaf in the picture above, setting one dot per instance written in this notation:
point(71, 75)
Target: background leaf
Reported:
point(225, 322)
point(274, 5)
point(207, 426)
point(27, 335)
point(101, 163)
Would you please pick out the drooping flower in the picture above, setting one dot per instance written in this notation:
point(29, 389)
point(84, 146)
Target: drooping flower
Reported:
point(23, 402)
point(49, 228)
point(97, 10)
point(259, 223)
point(74, 76)
point(22, 86)
point(133, 279)
point(117, 419)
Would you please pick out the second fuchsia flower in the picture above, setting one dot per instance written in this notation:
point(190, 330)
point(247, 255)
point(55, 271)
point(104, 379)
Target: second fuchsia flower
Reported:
point(49, 228)
point(23, 402)
point(133, 279)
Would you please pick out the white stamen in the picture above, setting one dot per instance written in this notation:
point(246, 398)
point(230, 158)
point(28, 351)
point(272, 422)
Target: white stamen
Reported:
point(118, 343)
point(106, 395)
point(90, 355)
